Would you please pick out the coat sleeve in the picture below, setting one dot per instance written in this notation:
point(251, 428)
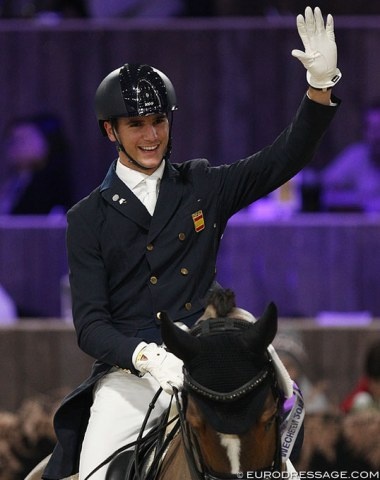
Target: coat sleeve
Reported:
point(88, 281)
point(247, 180)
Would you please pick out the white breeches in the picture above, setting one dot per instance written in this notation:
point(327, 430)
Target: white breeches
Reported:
point(121, 401)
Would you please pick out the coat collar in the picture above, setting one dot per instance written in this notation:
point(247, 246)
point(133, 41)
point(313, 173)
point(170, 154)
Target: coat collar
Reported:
point(117, 194)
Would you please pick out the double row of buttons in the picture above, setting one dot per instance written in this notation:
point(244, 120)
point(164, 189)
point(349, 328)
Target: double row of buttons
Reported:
point(181, 236)
point(153, 279)
point(188, 307)
point(184, 271)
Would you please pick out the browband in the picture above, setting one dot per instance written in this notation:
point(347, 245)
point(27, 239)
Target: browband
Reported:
point(196, 387)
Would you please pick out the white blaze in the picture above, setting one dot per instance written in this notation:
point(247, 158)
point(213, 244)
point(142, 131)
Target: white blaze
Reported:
point(232, 445)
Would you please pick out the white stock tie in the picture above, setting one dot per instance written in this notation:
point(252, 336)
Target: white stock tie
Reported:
point(150, 198)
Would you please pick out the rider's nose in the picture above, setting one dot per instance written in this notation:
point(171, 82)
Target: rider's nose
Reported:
point(150, 132)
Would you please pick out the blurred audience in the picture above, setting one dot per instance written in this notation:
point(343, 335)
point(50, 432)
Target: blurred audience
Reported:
point(366, 394)
point(35, 165)
point(347, 440)
point(276, 8)
point(62, 9)
point(292, 353)
point(351, 182)
point(8, 309)
point(135, 8)
point(346, 443)
point(27, 436)
point(43, 9)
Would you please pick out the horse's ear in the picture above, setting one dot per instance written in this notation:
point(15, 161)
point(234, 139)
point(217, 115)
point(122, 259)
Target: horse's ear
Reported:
point(264, 329)
point(180, 343)
point(267, 324)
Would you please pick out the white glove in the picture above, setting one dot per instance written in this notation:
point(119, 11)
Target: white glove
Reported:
point(165, 367)
point(320, 56)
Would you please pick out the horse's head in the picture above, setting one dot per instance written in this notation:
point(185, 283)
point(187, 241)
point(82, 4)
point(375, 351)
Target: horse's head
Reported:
point(227, 367)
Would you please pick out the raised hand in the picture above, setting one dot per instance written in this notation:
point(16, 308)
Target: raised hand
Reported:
point(320, 55)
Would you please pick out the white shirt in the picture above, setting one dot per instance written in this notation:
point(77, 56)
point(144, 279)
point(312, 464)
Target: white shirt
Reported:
point(136, 181)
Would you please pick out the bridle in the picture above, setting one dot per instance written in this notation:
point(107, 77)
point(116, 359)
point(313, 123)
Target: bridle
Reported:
point(196, 465)
point(195, 462)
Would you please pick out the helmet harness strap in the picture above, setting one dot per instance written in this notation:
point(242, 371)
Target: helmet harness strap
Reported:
point(120, 146)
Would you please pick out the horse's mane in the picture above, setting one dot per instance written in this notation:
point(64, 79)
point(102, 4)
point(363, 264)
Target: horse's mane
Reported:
point(222, 301)
point(224, 354)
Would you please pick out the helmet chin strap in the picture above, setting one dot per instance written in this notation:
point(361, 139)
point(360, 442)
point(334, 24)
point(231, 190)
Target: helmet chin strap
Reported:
point(120, 148)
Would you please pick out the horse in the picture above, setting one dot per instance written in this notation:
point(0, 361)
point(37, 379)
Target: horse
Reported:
point(229, 416)
point(230, 410)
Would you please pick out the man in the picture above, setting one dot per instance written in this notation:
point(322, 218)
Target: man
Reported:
point(132, 257)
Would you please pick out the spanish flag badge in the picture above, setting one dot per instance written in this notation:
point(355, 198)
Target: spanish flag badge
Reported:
point(199, 221)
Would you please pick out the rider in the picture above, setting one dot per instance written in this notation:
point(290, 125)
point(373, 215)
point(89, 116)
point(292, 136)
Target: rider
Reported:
point(131, 258)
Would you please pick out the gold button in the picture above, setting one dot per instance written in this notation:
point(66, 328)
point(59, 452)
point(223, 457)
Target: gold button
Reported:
point(188, 306)
point(184, 271)
point(153, 280)
point(181, 236)
point(149, 247)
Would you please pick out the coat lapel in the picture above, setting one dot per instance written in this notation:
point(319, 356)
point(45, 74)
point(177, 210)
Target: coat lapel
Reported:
point(117, 194)
point(171, 191)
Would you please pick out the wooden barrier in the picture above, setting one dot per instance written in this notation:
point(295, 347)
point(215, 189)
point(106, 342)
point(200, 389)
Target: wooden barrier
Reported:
point(41, 356)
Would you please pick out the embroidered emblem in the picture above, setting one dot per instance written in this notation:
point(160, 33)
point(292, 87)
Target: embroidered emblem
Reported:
point(199, 221)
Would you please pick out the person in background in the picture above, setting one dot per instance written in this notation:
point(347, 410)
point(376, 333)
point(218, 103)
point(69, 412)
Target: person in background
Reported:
point(8, 309)
point(146, 241)
point(366, 394)
point(293, 355)
point(36, 177)
point(43, 9)
point(351, 181)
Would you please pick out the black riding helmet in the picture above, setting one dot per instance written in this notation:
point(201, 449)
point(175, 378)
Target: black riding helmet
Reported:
point(134, 90)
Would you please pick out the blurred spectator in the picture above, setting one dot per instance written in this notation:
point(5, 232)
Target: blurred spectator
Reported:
point(8, 310)
point(36, 179)
point(134, 8)
point(42, 8)
point(366, 394)
point(171, 8)
point(351, 182)
point(345, 443)
point(359, 447)
point(276, 8)
point(27, 436)
point(292, 353)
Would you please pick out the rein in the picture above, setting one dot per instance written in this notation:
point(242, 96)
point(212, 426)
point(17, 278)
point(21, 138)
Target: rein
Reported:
point(143, 445)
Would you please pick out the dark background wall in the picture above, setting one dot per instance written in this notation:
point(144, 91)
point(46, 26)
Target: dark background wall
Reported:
point(236, 80)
